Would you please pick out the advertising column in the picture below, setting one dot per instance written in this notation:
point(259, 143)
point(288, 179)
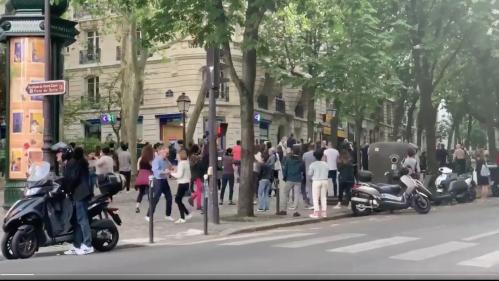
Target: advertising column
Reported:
point(27, 62)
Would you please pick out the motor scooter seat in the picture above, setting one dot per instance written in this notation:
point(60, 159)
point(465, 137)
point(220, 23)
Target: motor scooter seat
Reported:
point(97, 198)
point(389, 188)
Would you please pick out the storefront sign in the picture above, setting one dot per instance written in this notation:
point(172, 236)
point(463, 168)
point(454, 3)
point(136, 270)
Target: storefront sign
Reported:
point(27, 65)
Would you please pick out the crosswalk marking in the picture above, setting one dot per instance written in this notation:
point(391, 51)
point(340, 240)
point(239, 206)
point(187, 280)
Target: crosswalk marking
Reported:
point(375, 244)
point(265, 239)
point(484, 261)
point(479, 236)
point(434, 251)
point(321, 240)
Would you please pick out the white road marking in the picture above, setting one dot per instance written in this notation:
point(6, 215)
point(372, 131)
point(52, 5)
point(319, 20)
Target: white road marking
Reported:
point(484, 261)
point(266, 239)
point(334, 225)
point(434, 251)
point(321, 240)
point(374, 244)
point(480, 236)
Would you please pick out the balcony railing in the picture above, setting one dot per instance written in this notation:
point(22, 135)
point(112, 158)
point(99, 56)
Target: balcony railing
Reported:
point(90, 56)
point(280, 105)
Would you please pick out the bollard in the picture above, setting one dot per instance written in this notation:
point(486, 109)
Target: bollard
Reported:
point(151, 218)
point(277, 196)
point(205, 204)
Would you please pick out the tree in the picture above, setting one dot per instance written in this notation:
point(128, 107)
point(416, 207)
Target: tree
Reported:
point(438, 35)
point(294, 46)
point(139, 39)
point(213, 24)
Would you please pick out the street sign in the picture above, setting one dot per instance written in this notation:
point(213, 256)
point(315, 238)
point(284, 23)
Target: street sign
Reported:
point(46, 88)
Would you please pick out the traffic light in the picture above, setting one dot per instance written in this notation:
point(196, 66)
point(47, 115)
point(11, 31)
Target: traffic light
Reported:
point(222, 129)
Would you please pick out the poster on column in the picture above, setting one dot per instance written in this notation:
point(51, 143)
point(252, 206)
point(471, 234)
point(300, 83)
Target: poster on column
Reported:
point(27, 64)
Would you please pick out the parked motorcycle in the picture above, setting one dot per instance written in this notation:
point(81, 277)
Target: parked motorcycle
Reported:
point(43, 217)
point(450, 186)
point(368, 197)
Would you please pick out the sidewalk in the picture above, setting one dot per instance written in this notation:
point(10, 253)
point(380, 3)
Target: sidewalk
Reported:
point(135, 229)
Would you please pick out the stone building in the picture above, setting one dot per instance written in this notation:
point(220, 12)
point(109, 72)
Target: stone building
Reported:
point(93, 62)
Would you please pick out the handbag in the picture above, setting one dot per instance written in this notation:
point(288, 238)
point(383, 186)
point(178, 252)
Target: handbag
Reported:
point(485, 172)
point(142, 177)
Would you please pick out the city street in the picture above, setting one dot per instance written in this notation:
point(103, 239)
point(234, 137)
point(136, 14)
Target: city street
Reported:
point(450, 242)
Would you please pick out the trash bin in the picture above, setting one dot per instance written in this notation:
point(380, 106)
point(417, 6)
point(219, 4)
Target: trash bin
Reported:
point(494, 179)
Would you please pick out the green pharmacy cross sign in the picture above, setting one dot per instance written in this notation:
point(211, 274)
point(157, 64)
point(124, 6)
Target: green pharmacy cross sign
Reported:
point(108, 118)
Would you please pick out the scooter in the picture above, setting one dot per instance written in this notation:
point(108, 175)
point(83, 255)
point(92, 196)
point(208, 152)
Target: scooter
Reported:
point(368, 197)
point(43, 217)
point(450, 187)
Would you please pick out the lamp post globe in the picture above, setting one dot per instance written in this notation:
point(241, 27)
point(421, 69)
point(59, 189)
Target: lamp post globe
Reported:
point(183, 104)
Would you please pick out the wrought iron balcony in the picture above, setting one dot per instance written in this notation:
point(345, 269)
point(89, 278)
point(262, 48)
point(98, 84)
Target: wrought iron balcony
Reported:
point(90, 56)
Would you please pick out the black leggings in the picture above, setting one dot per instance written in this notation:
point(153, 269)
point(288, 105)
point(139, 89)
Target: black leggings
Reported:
point(347, 188)
point(182, 189)
point(143, 190)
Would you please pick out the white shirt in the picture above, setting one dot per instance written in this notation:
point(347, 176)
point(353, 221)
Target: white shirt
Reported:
point(332, 158)
point(104, 165)
point(183, 173)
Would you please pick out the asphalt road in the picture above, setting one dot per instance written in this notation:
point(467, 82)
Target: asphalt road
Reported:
point(450, 242)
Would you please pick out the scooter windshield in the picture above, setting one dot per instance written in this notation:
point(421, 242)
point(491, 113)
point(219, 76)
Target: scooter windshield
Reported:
point(38, 174)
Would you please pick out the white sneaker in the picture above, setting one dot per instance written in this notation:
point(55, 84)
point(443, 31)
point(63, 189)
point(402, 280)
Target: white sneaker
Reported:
point(349, 205)
point(314, 215)
point(147, 218)
point(180, 221)
point(72, 251)
point(309, 207)
point(188, 217)
point(338, 206)
point(169, 218)
point(86, 250)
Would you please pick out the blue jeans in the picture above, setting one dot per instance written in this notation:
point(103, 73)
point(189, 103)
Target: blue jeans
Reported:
point(81, 229)
point(263, 190)
point(230, 180)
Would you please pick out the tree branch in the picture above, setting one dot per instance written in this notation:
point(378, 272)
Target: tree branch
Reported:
point(229, 61)
point(449, 61)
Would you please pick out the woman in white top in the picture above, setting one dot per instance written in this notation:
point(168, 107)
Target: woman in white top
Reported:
point(183, 176)
point(319, 171)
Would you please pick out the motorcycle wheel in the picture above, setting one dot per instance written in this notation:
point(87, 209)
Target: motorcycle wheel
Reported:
point(7, 246)
point(421, 204)
point(359, 209)
point(105, 239)
point(24, 244)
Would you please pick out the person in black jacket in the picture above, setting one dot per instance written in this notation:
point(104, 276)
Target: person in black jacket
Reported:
point(77, 186)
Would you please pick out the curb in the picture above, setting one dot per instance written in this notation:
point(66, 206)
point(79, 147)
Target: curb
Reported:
point(284, 224)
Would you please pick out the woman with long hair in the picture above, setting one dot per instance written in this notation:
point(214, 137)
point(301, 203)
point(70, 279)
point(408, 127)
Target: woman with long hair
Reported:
point(346, 178)
point(77, 186)
point(482, 175)
point(197, 172)
point(183, 176)
point(144, 171)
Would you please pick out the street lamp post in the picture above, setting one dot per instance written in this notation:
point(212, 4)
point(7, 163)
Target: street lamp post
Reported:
point(333, 111)
point(183, 104)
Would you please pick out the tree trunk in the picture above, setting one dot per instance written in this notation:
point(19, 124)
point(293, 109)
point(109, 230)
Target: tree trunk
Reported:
point(419, 129)
point(429, 118)
point(398, 115)
point(491, 137)
point(358, 137)
point(451, 134)
point(309, 93)
point(468, 133)
point(335, 121)
point(198, 108)
point(457, 132)
point(409, 136)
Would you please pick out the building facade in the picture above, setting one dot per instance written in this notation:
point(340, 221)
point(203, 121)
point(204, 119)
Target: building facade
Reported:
point(92, 65)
